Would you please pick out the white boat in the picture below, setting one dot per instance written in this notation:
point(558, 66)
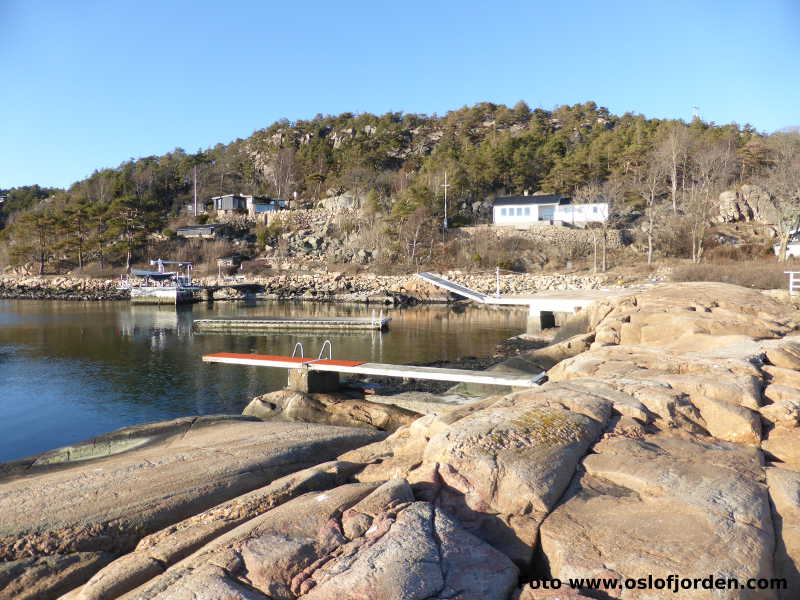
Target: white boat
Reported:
point(161, 286)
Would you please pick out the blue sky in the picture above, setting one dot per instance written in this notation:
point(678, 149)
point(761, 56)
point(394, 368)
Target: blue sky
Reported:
point(88, 84)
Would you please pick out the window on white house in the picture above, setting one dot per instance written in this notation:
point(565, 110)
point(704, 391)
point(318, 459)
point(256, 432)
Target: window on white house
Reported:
point(519, 211)
point(502, 212)
point(594, 209)
point(527, 211)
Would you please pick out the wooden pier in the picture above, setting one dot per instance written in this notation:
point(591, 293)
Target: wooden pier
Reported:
point(236, 324)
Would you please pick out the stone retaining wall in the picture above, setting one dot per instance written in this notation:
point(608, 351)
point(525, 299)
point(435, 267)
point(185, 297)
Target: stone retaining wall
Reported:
point(321, 285)
point(551, 234)
point(61, 288)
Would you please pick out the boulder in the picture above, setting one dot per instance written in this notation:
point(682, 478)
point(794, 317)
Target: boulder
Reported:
point(497, 465)
point(156, 552)
point(501, 469)
point(787, 355)
point(747, 203)
point(732, 209)
point(425, 554)
point(662, 505)
point(664, 314)
point(783, 444)
point(342, 201)
point(784, 409)
point(330, 409)
point(551, 355)
point(783, 376)
point(725, 393)
point(784, 491)
point(354, 541)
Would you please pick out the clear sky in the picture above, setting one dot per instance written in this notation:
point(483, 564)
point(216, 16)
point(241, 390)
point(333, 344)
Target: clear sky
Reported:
point(87, 84)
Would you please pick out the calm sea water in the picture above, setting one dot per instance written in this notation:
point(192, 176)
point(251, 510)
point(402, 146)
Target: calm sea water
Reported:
point(73, 370)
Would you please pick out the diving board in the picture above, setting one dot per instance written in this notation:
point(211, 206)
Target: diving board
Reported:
point(307, 364)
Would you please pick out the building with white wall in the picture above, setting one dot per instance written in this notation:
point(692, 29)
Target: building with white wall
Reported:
point(245, 203)
point(552, 208)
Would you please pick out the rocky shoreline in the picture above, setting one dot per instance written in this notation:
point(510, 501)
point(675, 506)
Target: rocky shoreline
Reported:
point(308, 286)
point(60, 288)
point(666, 441)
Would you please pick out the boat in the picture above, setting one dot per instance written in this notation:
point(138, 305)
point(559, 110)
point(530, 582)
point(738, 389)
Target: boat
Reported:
point(161, 286)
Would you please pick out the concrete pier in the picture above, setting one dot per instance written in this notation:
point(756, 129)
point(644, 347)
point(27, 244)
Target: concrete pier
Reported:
point(545, 309)
point(313, 382)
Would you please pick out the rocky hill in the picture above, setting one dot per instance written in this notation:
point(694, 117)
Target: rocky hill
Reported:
point(393, 167)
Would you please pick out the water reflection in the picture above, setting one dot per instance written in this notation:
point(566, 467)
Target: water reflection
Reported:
point(71, 370)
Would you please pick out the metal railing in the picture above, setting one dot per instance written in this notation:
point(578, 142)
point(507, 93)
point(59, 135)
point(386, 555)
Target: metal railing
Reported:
point(326, 343)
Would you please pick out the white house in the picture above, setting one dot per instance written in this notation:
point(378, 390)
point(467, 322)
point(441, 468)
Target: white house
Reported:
point(552, 208)
point(252, 205)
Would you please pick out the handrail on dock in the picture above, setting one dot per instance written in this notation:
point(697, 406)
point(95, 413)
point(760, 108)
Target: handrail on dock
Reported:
point(322, 350)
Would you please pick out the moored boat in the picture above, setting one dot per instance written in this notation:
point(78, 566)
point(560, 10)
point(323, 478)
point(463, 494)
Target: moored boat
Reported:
point(161, 286)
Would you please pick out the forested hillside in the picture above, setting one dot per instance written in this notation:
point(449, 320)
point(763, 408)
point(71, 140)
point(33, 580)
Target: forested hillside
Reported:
point(396, 163)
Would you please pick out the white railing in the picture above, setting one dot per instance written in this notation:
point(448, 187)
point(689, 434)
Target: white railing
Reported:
point(794, 282)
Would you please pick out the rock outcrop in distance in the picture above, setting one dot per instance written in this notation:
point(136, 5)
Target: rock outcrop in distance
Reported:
point(664, 443)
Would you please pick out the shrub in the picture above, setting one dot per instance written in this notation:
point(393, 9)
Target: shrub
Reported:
point(261, 239)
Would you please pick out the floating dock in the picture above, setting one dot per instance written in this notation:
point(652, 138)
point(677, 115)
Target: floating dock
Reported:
point(273, 323)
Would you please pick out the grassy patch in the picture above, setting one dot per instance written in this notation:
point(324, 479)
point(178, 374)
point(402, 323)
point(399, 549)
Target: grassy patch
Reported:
point(763, 274)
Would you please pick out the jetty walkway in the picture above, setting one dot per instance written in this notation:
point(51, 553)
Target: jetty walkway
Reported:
point(543, 308)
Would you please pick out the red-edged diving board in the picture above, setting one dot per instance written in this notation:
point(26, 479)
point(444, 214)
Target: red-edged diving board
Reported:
point(383, 370)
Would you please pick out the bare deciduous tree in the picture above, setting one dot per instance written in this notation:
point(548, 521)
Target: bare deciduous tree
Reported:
point(283, 171)
point(782, 180)
point(649, 184)
point(711, 171)
point(672, 153)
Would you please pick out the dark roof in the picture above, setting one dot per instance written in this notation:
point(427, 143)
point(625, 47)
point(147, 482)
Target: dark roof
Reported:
point(199, 227)
point(541, 199)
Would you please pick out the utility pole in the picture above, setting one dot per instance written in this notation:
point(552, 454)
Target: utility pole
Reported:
point(195, 190)
point(445, 186)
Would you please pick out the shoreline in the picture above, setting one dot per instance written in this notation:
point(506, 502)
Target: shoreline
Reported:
point(321, 286)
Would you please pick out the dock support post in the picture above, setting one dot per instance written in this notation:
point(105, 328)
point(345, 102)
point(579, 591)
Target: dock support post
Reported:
point(313, 382)
point(540, 319)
